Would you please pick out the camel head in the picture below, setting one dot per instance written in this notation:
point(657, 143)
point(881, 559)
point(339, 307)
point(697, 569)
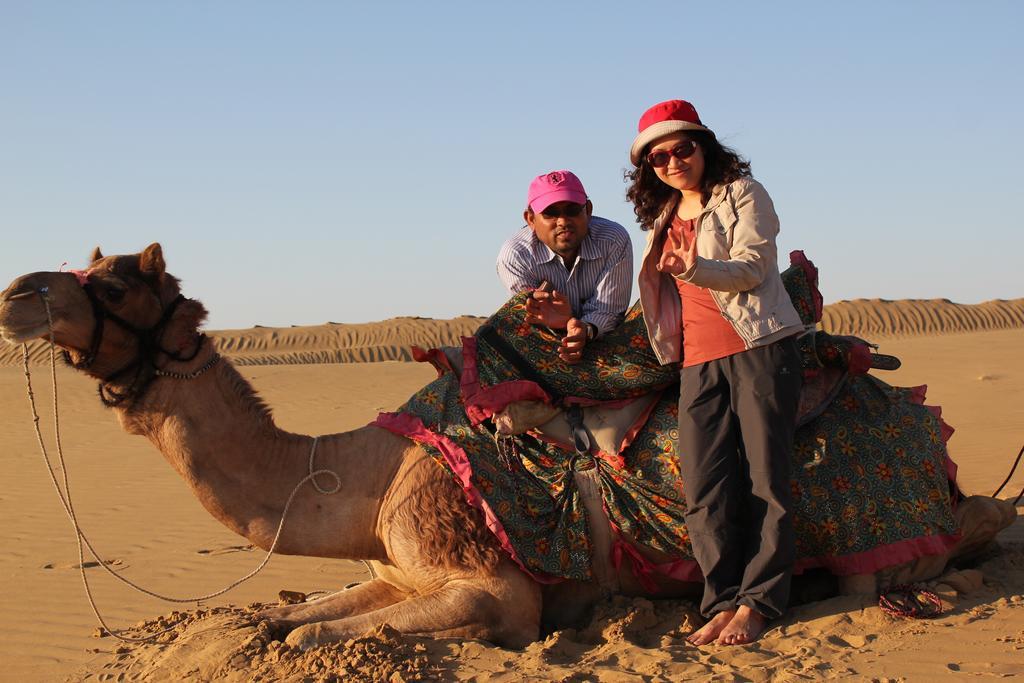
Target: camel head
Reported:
point(117, 313)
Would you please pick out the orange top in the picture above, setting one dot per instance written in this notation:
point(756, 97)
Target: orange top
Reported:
point(707, 334)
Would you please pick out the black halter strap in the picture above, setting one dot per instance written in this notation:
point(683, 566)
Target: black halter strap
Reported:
point(98, 316)
point(142, 369)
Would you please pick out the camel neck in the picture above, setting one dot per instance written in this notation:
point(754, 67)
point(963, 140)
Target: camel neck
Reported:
point(220, 437)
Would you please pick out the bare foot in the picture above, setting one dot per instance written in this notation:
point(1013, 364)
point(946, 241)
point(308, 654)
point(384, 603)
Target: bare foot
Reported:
point(745, 627)
point(711, 630)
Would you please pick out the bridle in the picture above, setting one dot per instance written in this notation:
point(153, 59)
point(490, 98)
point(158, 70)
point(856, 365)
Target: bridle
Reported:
point(143, 369)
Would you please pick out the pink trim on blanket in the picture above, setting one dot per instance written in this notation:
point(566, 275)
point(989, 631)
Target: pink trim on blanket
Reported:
point(435, 357)
point(640, 423)
point(644, 570)
point(587, 402)
point(918, 394)
point(870, 561)
point(860, 357)
point(411, 427)
point(917, 397)
point(482, 402)
point(797, 257)
point(867, 562)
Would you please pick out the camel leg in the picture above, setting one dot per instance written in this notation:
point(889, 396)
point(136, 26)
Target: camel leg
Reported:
point(366, 597)
point(858, 584)
point(468, 608)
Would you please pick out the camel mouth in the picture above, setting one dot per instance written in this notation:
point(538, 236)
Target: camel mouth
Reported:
point(22, 319)
point(24, 334)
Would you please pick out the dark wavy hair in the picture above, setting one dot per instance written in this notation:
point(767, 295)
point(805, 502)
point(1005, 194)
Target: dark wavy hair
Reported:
point(649, 194)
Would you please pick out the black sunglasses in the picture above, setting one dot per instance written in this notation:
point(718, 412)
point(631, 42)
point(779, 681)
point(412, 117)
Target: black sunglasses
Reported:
point(684, 150)
point(569, 210)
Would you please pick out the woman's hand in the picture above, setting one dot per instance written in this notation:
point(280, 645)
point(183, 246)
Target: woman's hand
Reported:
point(679, 260)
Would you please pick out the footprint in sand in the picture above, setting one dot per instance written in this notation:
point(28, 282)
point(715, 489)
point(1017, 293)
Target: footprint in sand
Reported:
point(854, 641)
point(87, 565)
point(755, 657)
point(226, 549)
point(980, 612)
point(990, 668)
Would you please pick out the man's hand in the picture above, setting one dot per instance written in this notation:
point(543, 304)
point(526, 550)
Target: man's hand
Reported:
point(678, 261)
point(571, 348)
point(548, 308)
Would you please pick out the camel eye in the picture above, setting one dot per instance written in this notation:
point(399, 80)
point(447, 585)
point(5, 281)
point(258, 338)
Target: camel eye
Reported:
point(114, 295)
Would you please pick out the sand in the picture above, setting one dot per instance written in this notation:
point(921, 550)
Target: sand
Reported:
point(145, 522)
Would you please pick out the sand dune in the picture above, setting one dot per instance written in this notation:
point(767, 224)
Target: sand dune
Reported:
point(330, 343)
point(339, 343)
point(392, 339)
point(881, 318)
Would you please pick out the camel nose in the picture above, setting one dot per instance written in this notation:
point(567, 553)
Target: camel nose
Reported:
point(19, 289)
point(28, 285)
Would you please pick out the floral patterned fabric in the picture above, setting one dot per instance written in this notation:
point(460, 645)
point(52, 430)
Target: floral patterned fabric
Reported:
point(618, 365)
point(871, 477)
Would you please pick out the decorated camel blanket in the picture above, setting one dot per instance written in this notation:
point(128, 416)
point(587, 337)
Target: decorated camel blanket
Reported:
point(872, 482)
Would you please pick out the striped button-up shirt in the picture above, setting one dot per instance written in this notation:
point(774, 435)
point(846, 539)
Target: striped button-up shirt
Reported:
point(600, 282)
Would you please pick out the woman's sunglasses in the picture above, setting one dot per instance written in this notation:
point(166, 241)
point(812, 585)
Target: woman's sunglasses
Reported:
point(568, 209)
point(684, 150)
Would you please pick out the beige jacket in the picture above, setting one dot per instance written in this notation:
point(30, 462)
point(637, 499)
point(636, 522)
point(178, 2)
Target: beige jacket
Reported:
point(737, 261)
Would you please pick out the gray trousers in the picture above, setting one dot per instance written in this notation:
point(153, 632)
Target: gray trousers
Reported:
point(737, 416)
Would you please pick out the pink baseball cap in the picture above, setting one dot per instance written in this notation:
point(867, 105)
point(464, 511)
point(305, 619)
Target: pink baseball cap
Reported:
point(556, 186)
point(661, 119)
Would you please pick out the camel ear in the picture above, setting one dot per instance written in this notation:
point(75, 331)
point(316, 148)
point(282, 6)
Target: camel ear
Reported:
point(96, 255)
point(151, 261)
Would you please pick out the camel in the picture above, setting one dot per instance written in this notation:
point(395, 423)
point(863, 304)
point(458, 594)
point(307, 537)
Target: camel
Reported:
point(439, 571)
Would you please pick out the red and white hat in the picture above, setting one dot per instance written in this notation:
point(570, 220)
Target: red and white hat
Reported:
point(661, 119)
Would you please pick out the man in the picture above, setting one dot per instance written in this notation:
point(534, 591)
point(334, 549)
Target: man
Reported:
point(586, 259)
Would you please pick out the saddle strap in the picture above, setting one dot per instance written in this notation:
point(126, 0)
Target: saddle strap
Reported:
point(588, 484)
point(580, 437)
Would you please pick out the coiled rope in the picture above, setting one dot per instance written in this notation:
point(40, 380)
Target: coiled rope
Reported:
point(909, 601)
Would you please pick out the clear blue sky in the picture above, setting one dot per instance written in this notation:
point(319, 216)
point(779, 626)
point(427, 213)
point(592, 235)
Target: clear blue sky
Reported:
point(310, 161)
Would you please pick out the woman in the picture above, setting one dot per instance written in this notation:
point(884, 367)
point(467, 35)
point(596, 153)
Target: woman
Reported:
point(712, 297)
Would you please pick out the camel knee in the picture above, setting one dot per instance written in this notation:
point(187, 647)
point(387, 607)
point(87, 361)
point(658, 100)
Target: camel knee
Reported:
point(519, 636)
point(986, 515)
point(519, 602)
point(308, 636)
point(503, 609)
point(980, 518)
point(519, 623)
point(858, 584)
